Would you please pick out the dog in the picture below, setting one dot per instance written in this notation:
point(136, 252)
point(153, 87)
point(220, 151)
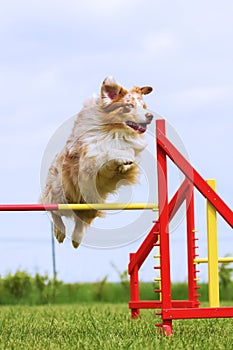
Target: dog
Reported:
point(101, 153)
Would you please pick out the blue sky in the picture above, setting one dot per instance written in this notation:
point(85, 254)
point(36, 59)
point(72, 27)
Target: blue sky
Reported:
point(55, 54)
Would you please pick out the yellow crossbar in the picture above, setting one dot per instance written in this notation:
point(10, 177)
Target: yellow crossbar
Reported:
point(109, 206)
point(220, 260)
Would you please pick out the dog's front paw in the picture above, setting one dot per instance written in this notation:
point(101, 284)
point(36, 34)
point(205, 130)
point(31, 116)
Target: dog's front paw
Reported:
point(124, 165)
point(116, 166)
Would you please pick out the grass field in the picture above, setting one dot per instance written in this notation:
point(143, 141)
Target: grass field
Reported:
point(104, 326)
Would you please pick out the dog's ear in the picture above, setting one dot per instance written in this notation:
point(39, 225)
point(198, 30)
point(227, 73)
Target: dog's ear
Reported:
point(145, 90)
point(111, 91)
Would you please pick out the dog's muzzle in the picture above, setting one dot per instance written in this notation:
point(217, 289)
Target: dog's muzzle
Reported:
point(141, 127)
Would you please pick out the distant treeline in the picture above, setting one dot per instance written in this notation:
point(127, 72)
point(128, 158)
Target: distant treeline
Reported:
point(22, 288)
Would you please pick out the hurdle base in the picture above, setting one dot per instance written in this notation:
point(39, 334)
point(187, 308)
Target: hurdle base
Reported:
point(182, 309)
point(203, 312)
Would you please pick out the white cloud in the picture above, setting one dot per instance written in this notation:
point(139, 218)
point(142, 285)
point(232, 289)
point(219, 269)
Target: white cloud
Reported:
point(208, 18)
point(161, 43)
point(198, 96)
point(60, 13)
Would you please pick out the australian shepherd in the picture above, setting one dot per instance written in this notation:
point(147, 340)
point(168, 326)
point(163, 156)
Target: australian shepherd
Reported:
point(100, 154)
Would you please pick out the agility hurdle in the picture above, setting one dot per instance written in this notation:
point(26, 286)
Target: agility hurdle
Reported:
point(158, 238)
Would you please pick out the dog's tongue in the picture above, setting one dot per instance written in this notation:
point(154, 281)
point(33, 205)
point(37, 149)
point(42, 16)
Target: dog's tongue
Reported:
point(142, 127)
point(137, 127)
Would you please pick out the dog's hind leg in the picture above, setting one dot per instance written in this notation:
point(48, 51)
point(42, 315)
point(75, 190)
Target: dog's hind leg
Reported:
point(77, 234)
point(58, 228)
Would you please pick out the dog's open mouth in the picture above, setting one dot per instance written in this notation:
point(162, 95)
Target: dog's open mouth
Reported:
point(140, 127)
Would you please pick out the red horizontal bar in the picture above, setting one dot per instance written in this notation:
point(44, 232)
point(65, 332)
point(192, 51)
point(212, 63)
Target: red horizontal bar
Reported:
point(28, 207)
point(154, 304)
point(206, 312)
point(145, 304)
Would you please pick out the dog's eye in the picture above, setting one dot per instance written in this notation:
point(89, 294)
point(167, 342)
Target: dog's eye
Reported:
point(130, 105)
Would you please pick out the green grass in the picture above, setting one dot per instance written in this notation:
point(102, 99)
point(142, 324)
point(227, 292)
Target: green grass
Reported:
point(104, 326)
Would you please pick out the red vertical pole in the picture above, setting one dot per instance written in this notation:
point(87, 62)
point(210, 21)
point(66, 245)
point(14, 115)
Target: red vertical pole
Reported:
point(134, 288)
point(191, 247)
point(164, 229)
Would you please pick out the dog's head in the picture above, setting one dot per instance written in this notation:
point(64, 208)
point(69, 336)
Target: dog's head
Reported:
point(125, 109)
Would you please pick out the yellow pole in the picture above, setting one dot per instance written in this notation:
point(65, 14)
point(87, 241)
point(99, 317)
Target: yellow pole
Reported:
point(109, 206)
point(212, 251)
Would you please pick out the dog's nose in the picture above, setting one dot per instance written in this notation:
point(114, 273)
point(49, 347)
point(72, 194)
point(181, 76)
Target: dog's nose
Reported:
point(149, 116)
